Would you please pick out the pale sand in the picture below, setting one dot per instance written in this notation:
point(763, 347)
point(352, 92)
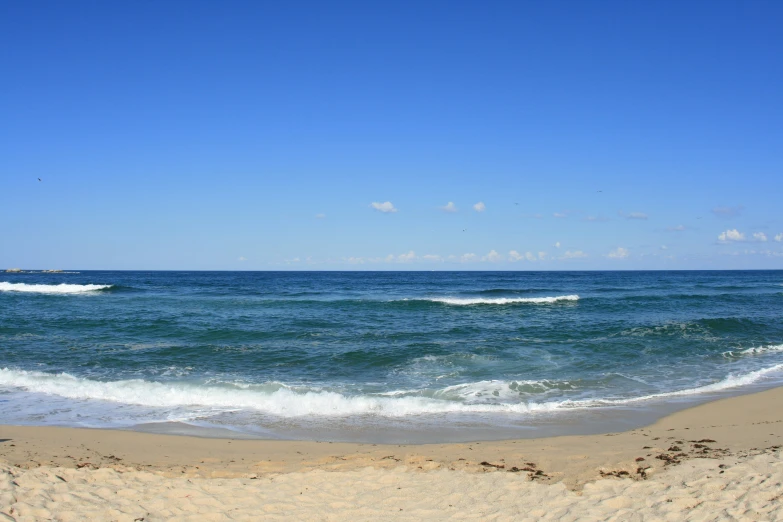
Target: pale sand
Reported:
point(128, 476)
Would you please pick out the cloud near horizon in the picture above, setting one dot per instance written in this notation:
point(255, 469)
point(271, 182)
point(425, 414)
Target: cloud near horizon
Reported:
point(733, 235)
point(479, 207)
point(449, 207)
point(514, 256)
point(406, 258)
point(618, 253)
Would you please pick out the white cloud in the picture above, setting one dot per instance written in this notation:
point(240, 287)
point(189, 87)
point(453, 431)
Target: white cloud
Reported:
point(560, 215)
point(736, 235)
point(731, 235)
point(728, 212)
point(595, 219)
point(618, 253)
point(431, 257)
point(557, 245)
point(779, 237)
point(320, 216)
point(576, 254)
point(242, 258)
point(406, 258)
point(514, 256)
point(469, 258)
point(385, 207)
point(391, 258)
point(449, 207)
point(678, 228)
point(664, 247)
point(479, 207)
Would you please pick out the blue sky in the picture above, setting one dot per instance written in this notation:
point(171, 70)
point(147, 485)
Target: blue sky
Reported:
point(258, 136)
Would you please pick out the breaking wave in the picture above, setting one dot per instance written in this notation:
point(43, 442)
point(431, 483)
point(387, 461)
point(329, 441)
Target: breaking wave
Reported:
point(464, 301)
point(287, 401)
point(754, 351)
point(51, 289)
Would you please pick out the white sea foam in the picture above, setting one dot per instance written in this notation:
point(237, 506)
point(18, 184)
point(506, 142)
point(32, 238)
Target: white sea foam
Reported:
point(732, 381)
point(50, 289)
point(758, 350)
point(284, 401)
point(763, 349)
point(502, 300)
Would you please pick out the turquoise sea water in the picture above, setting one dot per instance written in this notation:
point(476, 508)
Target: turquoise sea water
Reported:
point(419, 356)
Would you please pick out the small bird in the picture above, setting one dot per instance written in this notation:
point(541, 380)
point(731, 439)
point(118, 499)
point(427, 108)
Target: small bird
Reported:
point(600, 191)
point(39, 179)
point(516, 203)
point(465, 230)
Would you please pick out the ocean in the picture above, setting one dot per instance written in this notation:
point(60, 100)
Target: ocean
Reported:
point(381, 356)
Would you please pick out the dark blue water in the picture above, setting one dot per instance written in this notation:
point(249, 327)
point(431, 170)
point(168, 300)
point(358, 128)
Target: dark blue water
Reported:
point(302, 354)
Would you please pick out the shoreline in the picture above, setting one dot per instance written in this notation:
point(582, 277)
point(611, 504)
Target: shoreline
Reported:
point(718, 459)
point(617, 416)
point(736, 423)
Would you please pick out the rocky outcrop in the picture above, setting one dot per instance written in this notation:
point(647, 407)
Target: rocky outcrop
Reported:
point(14, 270)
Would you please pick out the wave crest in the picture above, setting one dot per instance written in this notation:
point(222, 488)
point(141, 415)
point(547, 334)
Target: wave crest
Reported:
point(758, 350)
point(51, 289)
point(465, 301)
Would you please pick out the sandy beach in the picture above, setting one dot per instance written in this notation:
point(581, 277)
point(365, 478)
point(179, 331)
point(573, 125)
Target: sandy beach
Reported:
point(716, 461)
